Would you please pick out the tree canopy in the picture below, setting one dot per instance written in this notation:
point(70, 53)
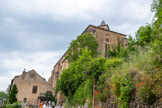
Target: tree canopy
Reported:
point(83, 41)
point(3, 95)
point(49, 97)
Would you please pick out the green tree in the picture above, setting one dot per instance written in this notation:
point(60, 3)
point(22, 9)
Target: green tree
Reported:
point(3, 98)
point(143, 35)
point(157, 31)
point(3, 95)
point(12, 95)
point(74, 83)
point(83, 41)
point(72, 77)
point(49, 97)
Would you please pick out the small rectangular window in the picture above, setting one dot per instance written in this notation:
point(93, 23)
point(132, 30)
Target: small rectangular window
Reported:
point(34, 89)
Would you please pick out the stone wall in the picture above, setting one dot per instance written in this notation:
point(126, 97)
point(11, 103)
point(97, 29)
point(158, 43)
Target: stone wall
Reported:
point(135, 102)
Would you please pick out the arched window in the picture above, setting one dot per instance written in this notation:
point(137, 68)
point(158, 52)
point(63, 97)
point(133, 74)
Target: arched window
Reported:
point(49, 92)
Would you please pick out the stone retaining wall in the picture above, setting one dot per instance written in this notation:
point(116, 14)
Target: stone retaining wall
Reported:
point(134, 102)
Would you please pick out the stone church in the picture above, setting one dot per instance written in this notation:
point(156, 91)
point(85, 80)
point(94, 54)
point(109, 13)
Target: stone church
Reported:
point(31, 87)
point(105, 38)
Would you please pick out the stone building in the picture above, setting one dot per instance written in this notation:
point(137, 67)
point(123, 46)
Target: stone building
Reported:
point(31, 87)
point(105, 38)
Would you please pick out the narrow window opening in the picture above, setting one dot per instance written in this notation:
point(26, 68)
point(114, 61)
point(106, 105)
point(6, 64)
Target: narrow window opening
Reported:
point(34, 89)
point(25, 100)
point(105, 50)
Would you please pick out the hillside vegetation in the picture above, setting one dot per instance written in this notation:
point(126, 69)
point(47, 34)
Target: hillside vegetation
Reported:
point(137, 68)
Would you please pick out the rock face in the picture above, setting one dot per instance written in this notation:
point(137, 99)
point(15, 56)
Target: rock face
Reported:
point(135, 102)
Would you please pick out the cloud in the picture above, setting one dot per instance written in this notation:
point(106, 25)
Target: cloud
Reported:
point(34, 34)
point(58, 9)
point(15, 62)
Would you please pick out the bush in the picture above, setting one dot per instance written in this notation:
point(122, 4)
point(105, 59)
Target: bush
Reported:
point(102, 95)
point(122, 87)
point(144, 91)
point(116, 86)
point(14, 105)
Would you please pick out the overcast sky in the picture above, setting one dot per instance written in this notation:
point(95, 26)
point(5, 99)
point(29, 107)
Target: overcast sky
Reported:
point(34, 34)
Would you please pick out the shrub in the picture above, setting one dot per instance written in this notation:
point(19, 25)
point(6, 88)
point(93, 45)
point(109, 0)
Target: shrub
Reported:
point(116, 86)
point(122, 87)
point(144, 91)
point(102, 95)
point(125, 91)
point(14, 105)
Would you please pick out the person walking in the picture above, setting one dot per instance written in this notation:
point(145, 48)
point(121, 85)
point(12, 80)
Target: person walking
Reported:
point(49, 104)
point(41, 105)
point(45, 104)
point(53, 104)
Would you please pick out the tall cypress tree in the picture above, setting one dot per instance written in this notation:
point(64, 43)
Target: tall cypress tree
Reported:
point(12, 95)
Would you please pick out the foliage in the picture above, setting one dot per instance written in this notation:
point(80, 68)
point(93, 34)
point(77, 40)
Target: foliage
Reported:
point(115, 51)
point(123, 77)
point(102, 94)
point(72, 79)
point(156, 79)
point(49, 97)
point(3, 98)
point(82, 93)
point(116, 86)
point(83, 41)
point(156, 7)
point(125, 90)
point(143, 35)
point(122, 72)
point(103, 85)
point(119, 51)
point(76, 85)
point(3, 95)
point(145, 91)
point(114, 62)
point(157, 32)
point(157, 51)
point(67, 104)
point(122, 86)
point(12, 95)
point(14, 105)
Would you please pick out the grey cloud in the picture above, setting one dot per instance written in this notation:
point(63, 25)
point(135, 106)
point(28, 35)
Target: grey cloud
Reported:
point(37, 33)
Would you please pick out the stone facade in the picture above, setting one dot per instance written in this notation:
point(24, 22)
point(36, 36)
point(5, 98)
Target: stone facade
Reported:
point(105, 38)
point(55, 74)
point(31, 87)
